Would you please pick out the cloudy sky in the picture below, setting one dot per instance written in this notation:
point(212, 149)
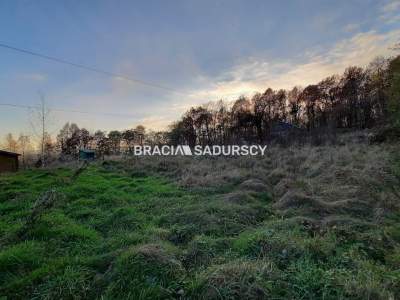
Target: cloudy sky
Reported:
point(205, 50)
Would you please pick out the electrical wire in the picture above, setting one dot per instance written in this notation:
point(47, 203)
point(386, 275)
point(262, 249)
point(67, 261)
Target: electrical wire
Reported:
point(69, 110)
point(92, 69)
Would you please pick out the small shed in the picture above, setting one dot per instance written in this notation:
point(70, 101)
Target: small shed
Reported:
point(8, 161)
point(86, 154)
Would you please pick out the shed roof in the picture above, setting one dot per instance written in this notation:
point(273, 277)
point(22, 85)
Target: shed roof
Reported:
point(7, 153)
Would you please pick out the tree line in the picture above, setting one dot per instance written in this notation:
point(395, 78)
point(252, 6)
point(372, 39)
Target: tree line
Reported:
point(71, 138)
point(357, 99)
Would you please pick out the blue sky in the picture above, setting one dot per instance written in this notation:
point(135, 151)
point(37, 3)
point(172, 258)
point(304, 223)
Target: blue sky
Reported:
point(206, 49)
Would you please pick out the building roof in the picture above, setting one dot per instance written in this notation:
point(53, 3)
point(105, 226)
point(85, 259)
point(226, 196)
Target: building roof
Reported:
point(7, 153)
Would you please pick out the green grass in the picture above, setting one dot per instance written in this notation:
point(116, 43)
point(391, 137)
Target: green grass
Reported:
point(115, 234)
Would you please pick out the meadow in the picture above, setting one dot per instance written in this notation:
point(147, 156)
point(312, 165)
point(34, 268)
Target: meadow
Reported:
point(307, 222)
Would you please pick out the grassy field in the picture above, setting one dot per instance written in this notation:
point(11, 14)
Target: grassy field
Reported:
point(200, 230)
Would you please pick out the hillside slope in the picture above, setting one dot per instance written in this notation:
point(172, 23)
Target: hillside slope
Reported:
point(313, 222)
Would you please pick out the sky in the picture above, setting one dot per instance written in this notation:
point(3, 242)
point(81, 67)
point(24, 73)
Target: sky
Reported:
point(204, 50)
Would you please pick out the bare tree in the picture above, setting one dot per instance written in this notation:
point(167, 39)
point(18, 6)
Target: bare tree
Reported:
point(24, 143)
point(115, 138)
point(129, 136)
point(39, 122)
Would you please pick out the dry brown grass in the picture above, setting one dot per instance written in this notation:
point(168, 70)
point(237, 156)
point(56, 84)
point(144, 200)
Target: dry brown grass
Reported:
point(345, 179)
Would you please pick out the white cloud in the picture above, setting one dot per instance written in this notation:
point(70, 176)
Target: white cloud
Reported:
point(391, 12)
point(156, 109)
point(258, 74)
point(155, 122)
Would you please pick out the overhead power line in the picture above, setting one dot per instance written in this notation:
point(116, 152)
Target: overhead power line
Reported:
point(71, 111)
point(92, 69)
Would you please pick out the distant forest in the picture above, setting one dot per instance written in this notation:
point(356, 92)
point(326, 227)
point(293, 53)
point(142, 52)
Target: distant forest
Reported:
point(359, 98)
